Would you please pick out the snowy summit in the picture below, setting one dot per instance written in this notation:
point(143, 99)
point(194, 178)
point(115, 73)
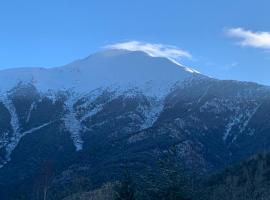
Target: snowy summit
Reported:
point(110, 68)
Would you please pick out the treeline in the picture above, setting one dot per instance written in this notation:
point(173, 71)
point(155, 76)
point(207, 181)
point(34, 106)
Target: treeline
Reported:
point(165, 180)
point(168, 179)
point(248, 180)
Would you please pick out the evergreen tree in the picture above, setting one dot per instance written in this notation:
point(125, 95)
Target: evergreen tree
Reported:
point(126, 189)
point(169, 183)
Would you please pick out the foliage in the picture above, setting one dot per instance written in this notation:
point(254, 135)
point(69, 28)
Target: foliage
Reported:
point(168, 181)
point(126, 188)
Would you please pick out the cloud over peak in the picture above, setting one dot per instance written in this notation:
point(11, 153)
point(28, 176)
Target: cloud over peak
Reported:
point(155, 50)
point(250, 38)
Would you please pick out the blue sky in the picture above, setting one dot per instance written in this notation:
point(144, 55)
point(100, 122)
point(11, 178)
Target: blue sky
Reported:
point(225, 39)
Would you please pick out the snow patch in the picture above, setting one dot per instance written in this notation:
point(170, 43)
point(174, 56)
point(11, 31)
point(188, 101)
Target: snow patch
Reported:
point(13, 143)
point(92, 112)
point(30, 111)
point(203, 95)
point(250, 114)
point(240, 120)
point(234, 121)
point(72, 124)
point(14, 122)
point(151, 113)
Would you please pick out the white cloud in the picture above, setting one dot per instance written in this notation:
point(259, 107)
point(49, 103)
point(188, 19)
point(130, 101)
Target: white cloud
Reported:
point(155, 50)
point(250, 38)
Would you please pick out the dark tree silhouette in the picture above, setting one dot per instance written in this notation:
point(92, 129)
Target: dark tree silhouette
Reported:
point(43, 181)
point(169, 182)
point(126, 188)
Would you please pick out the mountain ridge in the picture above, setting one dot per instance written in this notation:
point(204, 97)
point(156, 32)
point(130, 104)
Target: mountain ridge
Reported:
point(108, 122)
point(99, 70)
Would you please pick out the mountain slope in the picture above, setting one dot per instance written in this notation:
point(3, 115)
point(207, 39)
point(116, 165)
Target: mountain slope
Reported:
point(114, 71)
point(120, 108)
point(246, 180)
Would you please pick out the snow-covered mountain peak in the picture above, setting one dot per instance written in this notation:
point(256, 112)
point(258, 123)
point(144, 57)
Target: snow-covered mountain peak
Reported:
point(118, 68)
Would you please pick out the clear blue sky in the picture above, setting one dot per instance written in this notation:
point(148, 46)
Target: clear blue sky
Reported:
point(54, 32)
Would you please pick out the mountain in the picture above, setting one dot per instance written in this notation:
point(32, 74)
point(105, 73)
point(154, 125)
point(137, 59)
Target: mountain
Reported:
point(111, 68)
point(115, 72)
point(120, 108)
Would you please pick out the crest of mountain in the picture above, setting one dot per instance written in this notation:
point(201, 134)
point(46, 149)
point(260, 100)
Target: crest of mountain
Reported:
point(111, 68)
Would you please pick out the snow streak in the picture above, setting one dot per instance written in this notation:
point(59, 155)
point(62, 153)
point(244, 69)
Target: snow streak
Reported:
point(73, 124)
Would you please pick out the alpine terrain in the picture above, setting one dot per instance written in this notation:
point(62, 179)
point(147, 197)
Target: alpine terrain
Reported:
point(121, 109)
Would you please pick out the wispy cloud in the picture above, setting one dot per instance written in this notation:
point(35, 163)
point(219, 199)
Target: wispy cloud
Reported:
point(155, 50)
point(250, 38)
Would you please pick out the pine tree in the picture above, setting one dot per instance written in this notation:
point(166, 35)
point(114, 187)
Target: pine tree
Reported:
point(169, 183)
point(126, 189)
